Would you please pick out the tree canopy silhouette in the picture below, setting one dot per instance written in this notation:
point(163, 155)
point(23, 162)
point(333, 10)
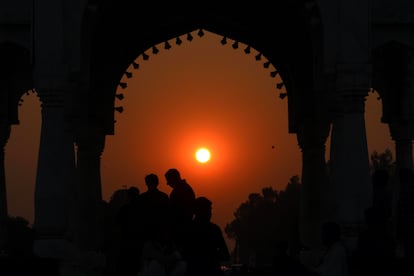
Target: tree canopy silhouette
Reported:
point(265, 220)
point(382, 160)
point(20, 238)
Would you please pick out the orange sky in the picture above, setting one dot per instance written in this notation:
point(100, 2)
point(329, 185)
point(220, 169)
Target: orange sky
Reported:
point(198, 94)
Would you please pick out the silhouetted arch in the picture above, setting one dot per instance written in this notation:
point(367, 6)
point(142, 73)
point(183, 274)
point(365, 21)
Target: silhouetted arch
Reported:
point(390, 67)
point(15, 76)
point(128, 29)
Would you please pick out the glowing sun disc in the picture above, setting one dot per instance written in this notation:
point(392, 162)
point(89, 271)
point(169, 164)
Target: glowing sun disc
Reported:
point(202, 155)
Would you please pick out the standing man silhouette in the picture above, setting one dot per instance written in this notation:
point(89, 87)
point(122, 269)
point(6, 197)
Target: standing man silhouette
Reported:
point(182, 198)
point(155, 205)
point(208, 247)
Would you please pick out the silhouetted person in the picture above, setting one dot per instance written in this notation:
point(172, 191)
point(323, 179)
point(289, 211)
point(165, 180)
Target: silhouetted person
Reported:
point(181, 212)
point(405, 213)
point(181, 197)
point(129, 218)
point(286, 265)
point(154, 204)
point(208, 247)
point(160, 256)
point(334, 261)
point(112, 231)
point(376, 246)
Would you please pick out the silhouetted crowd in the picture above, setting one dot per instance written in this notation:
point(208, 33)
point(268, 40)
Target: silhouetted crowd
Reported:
point(168, 235)
point(152, 233)
point(173, 235)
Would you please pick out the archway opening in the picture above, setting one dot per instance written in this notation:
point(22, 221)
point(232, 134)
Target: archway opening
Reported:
point(378, 133)
point(21, 153)
point(202, 93)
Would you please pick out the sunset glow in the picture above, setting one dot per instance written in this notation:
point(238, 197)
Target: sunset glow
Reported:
point(202, 155)
point(239, 117)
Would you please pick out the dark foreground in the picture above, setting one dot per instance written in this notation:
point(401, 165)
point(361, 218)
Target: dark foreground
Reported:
point(12, 266)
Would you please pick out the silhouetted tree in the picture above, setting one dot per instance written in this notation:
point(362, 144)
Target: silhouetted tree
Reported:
point(382, 172)
point(265, 220)
point(382, 160)
point(20, 238)
point(271, 217)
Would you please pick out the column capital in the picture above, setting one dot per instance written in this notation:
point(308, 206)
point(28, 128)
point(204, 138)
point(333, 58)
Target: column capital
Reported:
point(312, 134)
point(351, 103)
point(353, 78)
point(401, 130)
point(352, 84)
point(4, 134)
point(51, 99)
point(52, 90)
point(90, 140)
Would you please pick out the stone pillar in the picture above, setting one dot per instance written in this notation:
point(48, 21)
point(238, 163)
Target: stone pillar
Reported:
point(398, 104)
point(350, 179)
point(404, 153)
point(402, 132)
point(4, 137)
point(312, 137)
point(56, 165)
point(89, 194)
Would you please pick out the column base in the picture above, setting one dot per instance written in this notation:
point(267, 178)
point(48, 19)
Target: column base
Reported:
point(71, 260)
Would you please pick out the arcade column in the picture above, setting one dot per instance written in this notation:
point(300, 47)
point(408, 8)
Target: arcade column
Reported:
point(4, 137)
point(350, 181)
point(90, 144)
point(54, 181)
point(312, 137)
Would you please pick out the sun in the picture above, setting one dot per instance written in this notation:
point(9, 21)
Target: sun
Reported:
point(202, 155)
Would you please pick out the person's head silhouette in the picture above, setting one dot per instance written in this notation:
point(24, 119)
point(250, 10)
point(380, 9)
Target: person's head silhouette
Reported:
point(133, 193)
point(202, 208)
point(173, 177)
point(151, 180)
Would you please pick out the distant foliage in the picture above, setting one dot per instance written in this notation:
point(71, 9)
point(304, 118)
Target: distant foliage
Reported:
point(265, 220)
point(269, 218)
point(382, 161)
point(20, 238)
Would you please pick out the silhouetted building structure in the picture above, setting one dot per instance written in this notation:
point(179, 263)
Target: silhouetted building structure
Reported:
point(329, 54)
